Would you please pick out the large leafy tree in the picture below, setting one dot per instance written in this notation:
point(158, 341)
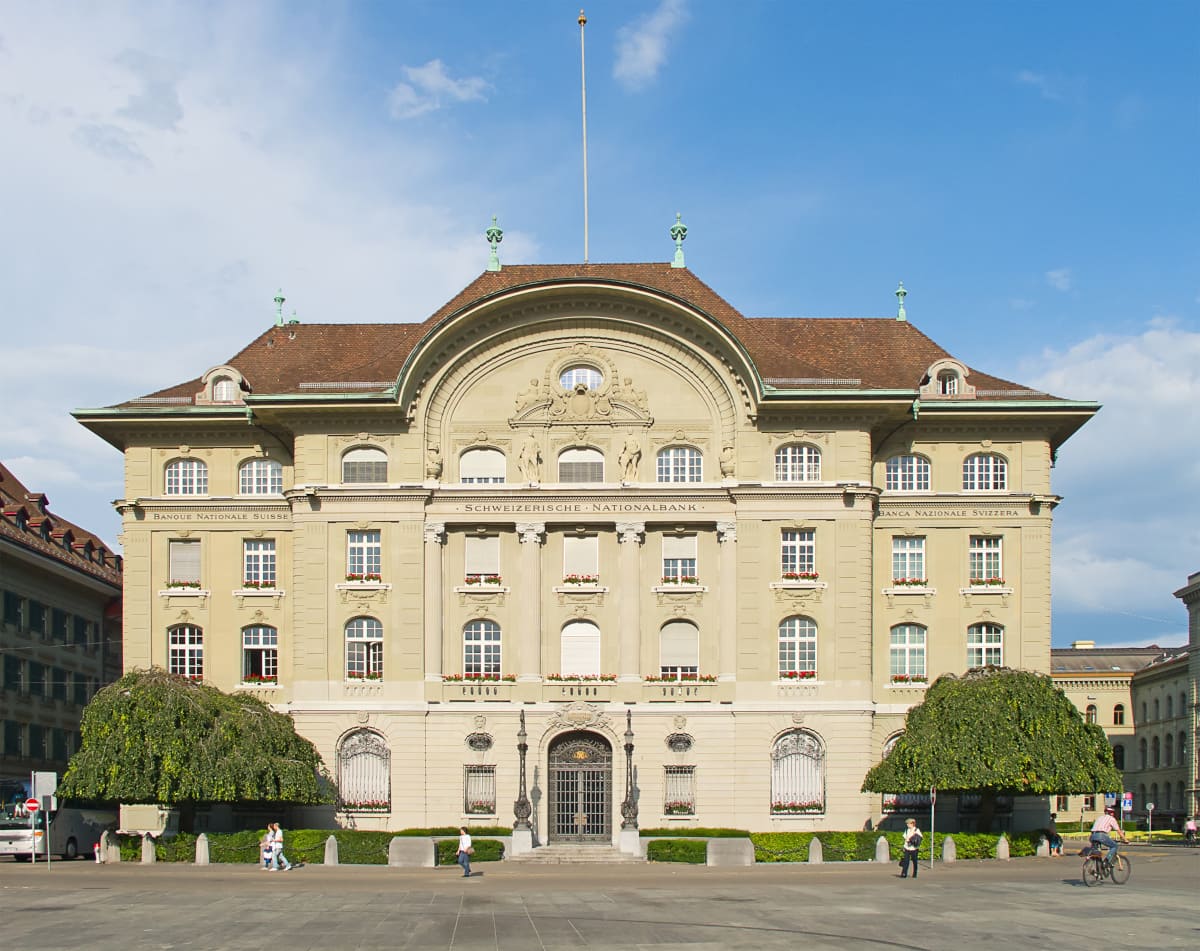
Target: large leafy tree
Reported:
point(996, 731)
point(156, 737)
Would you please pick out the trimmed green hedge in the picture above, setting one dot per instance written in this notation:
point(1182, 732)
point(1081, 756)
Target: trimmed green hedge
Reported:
point(689, 851)
point(486, 850)
point(860, 846)
point(690, 833)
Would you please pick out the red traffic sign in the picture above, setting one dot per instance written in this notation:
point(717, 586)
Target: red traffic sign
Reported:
point(32, 805)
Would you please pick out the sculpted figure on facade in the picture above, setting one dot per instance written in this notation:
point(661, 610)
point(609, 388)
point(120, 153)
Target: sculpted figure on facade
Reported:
point(433, 462)
point(529, 461)
point(528, 397)
point(727, 462)
point(629, 459)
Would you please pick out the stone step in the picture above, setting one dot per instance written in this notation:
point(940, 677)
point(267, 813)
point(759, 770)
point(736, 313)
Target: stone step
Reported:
point(569, 854)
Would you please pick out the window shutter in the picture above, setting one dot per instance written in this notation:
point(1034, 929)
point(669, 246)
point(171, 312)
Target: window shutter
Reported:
point(483, 555)
point(581, 556)
point(481, 465)
point(581, 649)
point(580, 465)
point(185, 561)
point(680, 645)
point(679, 546)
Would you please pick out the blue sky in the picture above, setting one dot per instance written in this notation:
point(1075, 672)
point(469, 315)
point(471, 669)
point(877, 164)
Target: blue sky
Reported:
point(1027, 169)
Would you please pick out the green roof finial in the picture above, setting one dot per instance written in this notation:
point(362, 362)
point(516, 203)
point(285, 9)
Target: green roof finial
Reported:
point(494, 236)
point(901, 293)
point(678, 233)
point(279, 299)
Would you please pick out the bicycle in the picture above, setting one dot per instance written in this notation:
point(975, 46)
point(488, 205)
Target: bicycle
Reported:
point(1097, 867)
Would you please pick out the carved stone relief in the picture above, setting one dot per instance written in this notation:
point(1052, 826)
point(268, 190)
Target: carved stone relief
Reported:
point(545, 402)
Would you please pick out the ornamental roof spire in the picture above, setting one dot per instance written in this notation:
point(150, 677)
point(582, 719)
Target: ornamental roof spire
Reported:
point(901, 293)
point(494, 236)
point(279, 299)
point(678, 233)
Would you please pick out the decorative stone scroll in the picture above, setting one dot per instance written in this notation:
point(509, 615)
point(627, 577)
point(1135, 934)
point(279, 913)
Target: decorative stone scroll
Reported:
point(615, 400)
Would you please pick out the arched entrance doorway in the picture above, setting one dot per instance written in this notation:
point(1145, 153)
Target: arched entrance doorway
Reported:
point(580, 788)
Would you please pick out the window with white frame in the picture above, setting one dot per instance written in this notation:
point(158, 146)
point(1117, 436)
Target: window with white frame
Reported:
point(187, 477)
point(985, 562)
point(580, 465)
point(479, 790)
point(580, 655)
point(798, 464)
point(985, 645)
point(258, 563)
point(907, 473)
point(1091, 714)
point(679, 464)
point(224, 390)
point(581, 559)
point(797, 648)
point(364, 771)
point(185, 651)
point(590, 377)
point(798, 553)
point(947, 383)
point(679, 559)
point(679, 650)
point(364, 555)
point(985, 472)
point(184, 562)
point(797, 774)
point(1061, 803)
point(482, 466)
point(907, 660)
point(260, 654)
point(1119, 715)
point(481, 649)
point(364, 649)
point(260, 477)
point(908, 559)
point(679, 790)
point(481, 558)
point(364, 465)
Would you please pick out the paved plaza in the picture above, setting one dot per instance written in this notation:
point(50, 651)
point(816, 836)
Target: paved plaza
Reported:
point(1022, 904)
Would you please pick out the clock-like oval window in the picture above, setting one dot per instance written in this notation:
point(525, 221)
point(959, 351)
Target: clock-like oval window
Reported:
point(588, 376)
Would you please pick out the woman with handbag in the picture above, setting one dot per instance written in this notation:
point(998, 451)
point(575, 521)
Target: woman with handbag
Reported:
point(465, 851)
point(912, 842)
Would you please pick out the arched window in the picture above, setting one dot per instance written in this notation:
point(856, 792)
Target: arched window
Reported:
point(260, 477)
point(908, 473)
point(1119, 715)
point(985, 645)
point(947, 383)
point(364, 649)
point(679, 650)
point(797, 774)
point(798, 464)
point(1157, 710)
point(185, 651)
point(260, 654)
point(1143, 711)
point(365, 465)
point(580, 465)
point(1119, 756)
point(907, 652)
point(1155, 752)
point(797, 648)
point(224, 390)
point(364, 771)
point(590, 377)
point(1142, 753)
point(1169, 749)
point(481, 650)
point(187, 477)
point(985, 472)
point(1091, 715)
point(580, 649)
point(679, 464)
point(1183, 704)
point(482, 466)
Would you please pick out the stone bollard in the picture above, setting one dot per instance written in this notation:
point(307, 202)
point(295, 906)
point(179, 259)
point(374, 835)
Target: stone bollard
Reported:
point(722, 853)
point(148, 855)
point(883, 852)
point(110, 849)
point(1043, 848)
point(949, 850)
point(412, 852)
point(1002, 848)
point(816, 852)
point(331, 851)
point(202, 849)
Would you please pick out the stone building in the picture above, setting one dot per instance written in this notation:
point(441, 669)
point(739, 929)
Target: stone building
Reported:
point(1189, 594)
point(60, 634)
point(1160, 771)
point(577, 492)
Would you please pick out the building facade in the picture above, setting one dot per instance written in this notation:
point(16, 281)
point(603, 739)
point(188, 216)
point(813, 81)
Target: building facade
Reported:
point(579, 492)
point(1189, 594)
point(1161, 774)
point(60, 629)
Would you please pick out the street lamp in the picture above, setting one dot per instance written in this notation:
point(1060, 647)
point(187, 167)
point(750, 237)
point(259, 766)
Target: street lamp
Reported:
point(629, 809)
point(522, 808)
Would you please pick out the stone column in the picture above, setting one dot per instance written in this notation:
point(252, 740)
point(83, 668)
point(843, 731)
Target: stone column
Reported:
point(629, 597)
point(727, 597)
point(435, 537)
point(529, 589)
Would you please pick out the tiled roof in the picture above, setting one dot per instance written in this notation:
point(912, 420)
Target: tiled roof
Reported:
point(1093, 661)
point(22, 517)
point(793, 353)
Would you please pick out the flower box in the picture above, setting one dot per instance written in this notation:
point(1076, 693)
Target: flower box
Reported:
point(801, 576)
point(580, 678)
point(797, 675)
point(478, 678)
point(369, 806)
point(369, 577)
point(183, 584)
point(481, 808)
point(260, 585)
point(682, 579)
point(680, 678)
point(909, 582)
point(359, 675)
point(987, 582)
point(915, 679)
point(796, 808)
point(261, 680)
point(482, 579)
point(679, 808)
point(581, 579)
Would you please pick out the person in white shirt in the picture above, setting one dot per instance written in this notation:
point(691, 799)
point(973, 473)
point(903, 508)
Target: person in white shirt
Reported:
point(465, 849)
point(1100, 833)
point(1189, 830)
point(277, 856)
point(912, 842)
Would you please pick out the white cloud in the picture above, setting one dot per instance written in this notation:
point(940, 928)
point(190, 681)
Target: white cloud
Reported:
point(642, 46)
point(1059, 278)
point(429, 87)
point(1039, 81)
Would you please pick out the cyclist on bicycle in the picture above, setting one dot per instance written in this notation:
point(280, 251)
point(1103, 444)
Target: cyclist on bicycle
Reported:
point(1100, 833)
point(1189, 831)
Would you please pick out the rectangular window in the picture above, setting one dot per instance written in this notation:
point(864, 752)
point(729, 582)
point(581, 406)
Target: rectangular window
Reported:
point(37, 741)
point(184, 562)
point(37, 618)
point(581, 557)
point(260, 655)
point(985, 645)
point(986, 566)
point(1061, 803)
point(258, 563)
point(908, 559)
point(12, 739)
point(37, 679)
point(679, 650)
point(81, 632)
point(481, 649)
point(479, 790)
point(1089, 803)
point(58, 739)
point(481, 560)
point(12, 609)
point(12, 673)
point(798, 553)
point(364, 649)
point(59, 625)
point(185, 652)
point(364, 555)
point(908, 652)
point(58, 683)
point(679, 559)
point(679, 790)
point(79, 691)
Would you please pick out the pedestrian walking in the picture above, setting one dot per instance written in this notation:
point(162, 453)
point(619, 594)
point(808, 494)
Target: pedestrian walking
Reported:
point(465, 851)
point(266, 849)
point(1053, 839)
point(908, 854)
point(277, 856)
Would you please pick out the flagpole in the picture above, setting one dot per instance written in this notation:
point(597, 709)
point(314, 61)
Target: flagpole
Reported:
point(583, 90)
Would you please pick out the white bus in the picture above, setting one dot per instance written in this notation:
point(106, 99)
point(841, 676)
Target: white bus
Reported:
point(73, 830)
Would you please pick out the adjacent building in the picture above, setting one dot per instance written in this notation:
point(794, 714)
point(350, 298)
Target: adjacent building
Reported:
point(586, 501)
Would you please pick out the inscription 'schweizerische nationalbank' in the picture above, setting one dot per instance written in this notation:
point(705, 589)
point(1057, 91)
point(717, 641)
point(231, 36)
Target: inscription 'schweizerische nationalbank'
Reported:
point(576, 508)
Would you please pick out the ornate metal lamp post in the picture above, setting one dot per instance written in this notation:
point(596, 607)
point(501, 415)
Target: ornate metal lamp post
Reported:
point(629, 809)
point(522, 808)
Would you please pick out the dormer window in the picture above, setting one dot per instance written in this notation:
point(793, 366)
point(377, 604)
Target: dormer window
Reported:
point(224, 390)
point(947, 379)
point(222, 385)
point(590, 377)
point(948, 383)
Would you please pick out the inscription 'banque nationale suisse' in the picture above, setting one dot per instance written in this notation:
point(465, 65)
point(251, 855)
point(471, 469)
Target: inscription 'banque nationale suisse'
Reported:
point(575, 508)
point(950, 512)
point(220, 516)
